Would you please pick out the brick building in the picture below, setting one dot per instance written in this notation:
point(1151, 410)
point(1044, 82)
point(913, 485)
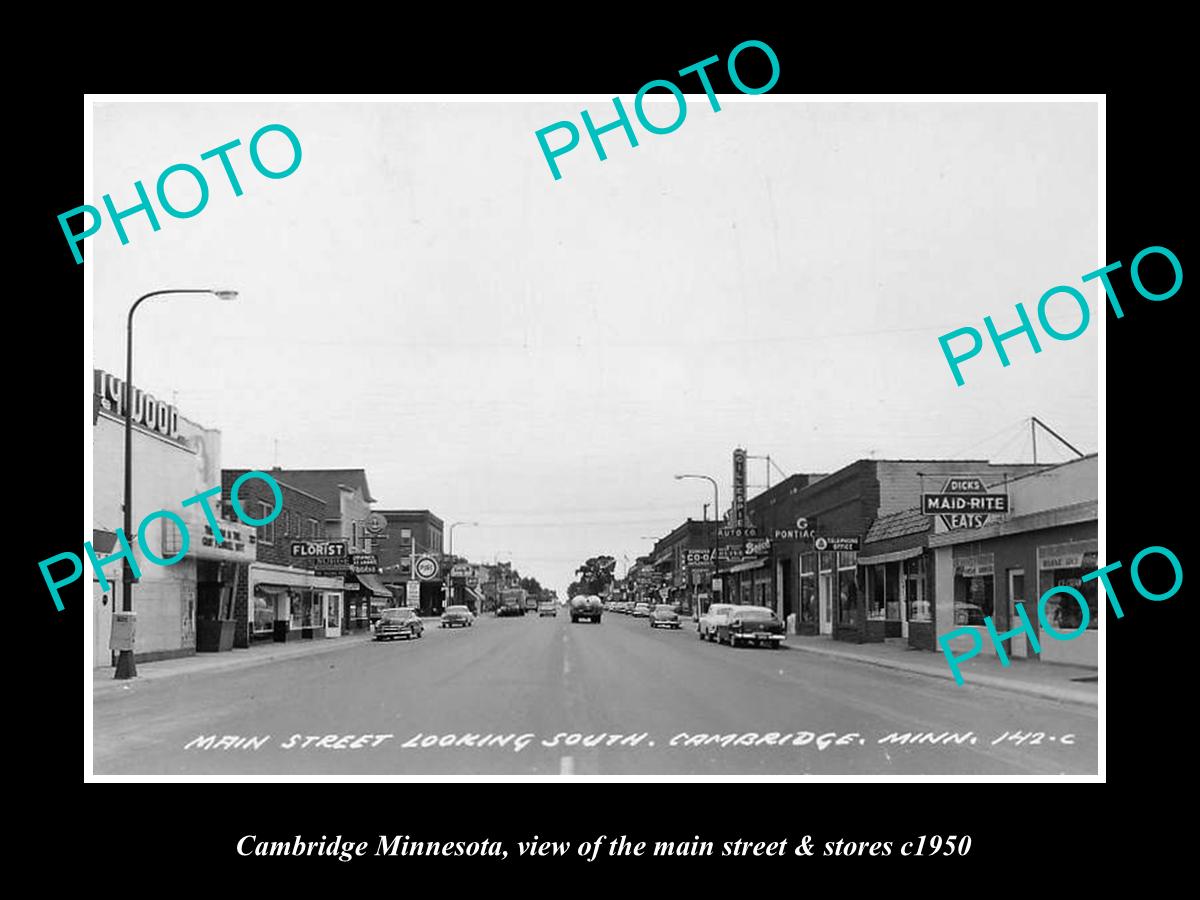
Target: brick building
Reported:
point(282, 598)
point(409, 534)
point(817, 526)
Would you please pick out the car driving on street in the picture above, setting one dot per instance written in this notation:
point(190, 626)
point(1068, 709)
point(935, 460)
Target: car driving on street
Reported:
point(756, 625)
point(664, 616)
point(548, 608)
point(588, 607)
point(399, 621)
point(457, 616)
point(714, 617)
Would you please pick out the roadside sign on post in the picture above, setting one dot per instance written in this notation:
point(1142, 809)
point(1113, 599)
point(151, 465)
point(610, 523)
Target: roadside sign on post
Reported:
point(426, 568)
point(413, 594)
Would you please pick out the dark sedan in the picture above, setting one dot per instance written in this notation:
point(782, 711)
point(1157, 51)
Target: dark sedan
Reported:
point(457, 616)
point(751, 625)
point(399, 621)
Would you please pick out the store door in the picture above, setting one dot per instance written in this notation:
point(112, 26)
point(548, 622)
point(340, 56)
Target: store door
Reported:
point(904, 608)
point(1017, 646)
point(102, 607)
point(826, 603)
point(333, 614)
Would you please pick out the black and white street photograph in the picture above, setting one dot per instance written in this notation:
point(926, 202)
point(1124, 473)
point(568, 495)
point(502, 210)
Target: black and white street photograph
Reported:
point(444, 437)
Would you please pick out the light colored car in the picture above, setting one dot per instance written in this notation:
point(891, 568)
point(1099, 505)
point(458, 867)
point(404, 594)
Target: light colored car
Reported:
point(548, 608)
point(641, 610)
point(457, 615)
point(399, 621)
point(714, 617)
point(756, 625)
point(664, 615)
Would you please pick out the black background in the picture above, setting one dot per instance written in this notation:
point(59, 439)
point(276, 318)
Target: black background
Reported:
point(1016, 826)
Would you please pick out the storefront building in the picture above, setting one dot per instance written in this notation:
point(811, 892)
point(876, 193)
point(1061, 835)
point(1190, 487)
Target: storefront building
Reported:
point(816, 526)
point(285, 598)
point(897, 564)
point(679, 569)
point(174, 459)
point(404, 536)
point(1048, 538)
point(346, 517)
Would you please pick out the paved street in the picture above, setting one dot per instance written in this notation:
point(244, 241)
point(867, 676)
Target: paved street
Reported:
point(610, 699)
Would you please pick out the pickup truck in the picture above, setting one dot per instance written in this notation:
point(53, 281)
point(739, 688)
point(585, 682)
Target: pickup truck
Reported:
point(716, 616)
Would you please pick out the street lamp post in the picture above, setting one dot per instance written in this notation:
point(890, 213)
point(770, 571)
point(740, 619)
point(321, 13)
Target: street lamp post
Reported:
point(716, 544)
point(450, 554)
point(126, 668)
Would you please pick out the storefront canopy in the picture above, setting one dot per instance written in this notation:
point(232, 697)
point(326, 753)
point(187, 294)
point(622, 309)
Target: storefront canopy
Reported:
point(747, 566)
point(373, 584)
point(894, 556)
point(270, 590)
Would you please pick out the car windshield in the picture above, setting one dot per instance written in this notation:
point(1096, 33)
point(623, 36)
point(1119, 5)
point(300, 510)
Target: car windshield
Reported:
point(720, 609)
point(754, 612)
point(664, 608)
point(393, 614)
point(456, 609)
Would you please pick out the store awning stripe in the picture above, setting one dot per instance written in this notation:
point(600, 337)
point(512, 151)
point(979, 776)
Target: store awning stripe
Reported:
point(894, 556)
point(373, 584)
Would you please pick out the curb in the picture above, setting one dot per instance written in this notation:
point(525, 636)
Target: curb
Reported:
point(103, 685)
point(1063, 695)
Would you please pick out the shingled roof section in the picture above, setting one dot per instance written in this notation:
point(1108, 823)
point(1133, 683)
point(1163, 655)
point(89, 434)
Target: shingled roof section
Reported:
point(324, 483)
point(897, 525)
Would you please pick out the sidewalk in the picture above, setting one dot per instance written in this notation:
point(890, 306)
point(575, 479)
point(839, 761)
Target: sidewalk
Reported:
point(1039, 679)
point(205, 663)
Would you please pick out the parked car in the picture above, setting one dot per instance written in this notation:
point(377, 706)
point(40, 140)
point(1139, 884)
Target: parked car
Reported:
point(548, 608)
point(457, 615)
point(664, 615)
point(751, 624)
point(641, 610)
point(587, 607)
point(714, 617)
point(399, 621)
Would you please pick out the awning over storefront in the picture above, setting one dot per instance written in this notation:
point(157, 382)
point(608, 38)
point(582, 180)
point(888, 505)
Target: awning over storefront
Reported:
point(894, 556)
point(373, 584)
point(474, 593)
point(747, 566)
point(270, 590)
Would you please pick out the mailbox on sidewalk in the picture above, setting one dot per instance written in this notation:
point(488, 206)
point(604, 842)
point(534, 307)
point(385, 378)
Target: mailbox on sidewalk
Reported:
point(121, 636)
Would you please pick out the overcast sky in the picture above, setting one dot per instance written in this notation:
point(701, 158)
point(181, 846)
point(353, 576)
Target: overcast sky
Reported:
point(420, 298)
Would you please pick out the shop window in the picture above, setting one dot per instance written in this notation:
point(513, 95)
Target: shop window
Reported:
point(306, 610)
point(313, 528)
point(919, 608)
point(1064, 565)
point(263, 619)
point(876, 609)
point(891, 591)
point(974, 589)
point(847, 587)
point(808, 587)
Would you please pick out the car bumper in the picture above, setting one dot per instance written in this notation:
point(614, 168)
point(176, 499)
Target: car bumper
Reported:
point(755, 636)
